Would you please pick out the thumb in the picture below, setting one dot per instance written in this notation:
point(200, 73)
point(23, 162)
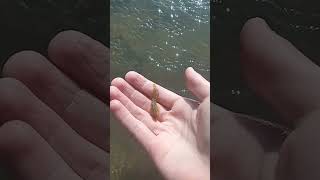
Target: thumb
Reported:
point(198, 85)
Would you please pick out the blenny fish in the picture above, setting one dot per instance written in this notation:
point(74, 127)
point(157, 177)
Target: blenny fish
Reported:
point(154, 109)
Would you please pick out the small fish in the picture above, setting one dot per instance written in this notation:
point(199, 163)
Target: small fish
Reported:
point(154, 110)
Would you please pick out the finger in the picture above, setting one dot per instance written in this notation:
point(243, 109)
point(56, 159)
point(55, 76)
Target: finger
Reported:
point(198, 85)
point(278, 72)
point(232, 149)
point(242, 151)
point(298, 157)
point(138, 113)
point(203, 126)
point(134, 95)
point(18, 102)
point(84, 60)
point(85, 113)
point(166, 98)
point(134, 126)
point(24, 149)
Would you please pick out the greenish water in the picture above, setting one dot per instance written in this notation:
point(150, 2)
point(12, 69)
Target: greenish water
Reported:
point(159, 39)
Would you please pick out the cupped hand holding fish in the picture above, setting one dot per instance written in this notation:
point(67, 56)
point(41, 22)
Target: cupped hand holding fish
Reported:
point(178, 137)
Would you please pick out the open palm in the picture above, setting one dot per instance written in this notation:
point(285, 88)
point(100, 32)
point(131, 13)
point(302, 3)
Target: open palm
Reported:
point(178, 141)
point(53, 111)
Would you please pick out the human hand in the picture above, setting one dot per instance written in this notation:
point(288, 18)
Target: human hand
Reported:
point(53, 111)
point(179, 140)
point(288, 81)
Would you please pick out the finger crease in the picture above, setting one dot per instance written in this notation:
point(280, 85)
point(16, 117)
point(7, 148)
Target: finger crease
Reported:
point(73, 101)
point(143, 87)
point(132, 96)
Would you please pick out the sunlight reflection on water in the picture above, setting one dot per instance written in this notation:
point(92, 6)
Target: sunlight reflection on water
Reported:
point(166, 34)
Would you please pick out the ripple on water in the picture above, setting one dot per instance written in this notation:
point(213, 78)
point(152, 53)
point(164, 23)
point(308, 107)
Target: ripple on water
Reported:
point(164, 30)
